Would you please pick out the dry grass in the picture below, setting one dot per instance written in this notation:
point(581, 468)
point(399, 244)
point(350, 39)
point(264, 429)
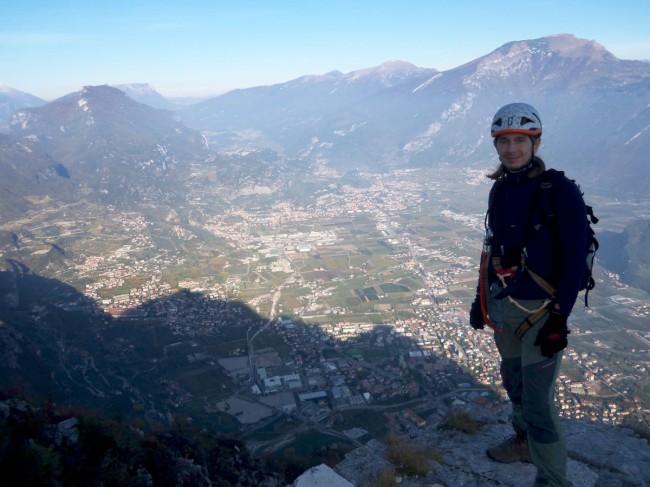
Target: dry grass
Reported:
point(409, 458)
point(461, 421)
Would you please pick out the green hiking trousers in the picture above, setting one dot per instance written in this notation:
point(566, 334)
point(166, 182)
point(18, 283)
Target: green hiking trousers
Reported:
point(529, 379)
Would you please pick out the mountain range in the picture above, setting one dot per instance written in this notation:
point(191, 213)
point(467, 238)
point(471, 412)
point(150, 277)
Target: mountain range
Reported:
point(98, 144)
point(131, 147)
point(593, 105)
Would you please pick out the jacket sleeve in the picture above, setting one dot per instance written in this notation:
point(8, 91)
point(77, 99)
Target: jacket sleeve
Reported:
point(572, 242)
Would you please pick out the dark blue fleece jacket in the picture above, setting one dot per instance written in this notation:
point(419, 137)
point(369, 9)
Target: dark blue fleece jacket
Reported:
point(555, 247)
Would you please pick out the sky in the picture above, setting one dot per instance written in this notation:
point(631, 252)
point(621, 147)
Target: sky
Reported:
point(199, 48)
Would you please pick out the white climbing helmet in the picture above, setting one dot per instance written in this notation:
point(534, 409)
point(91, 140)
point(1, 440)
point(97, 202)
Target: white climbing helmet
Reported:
point(518, 118)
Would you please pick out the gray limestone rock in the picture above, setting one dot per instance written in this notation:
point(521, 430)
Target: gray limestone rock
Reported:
point(599, 456)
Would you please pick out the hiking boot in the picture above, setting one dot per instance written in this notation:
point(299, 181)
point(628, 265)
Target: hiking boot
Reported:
point(513, 449)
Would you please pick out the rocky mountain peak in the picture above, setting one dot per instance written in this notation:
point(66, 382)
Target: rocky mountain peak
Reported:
point(102, 96)
point(569, 45)
point(102, 112)
point(391, 68)
point(545, 58)
point(101, 139)
point(563, 45)
point(136, 88)
point(146, 93)
point(389, 73)
point(80, 108)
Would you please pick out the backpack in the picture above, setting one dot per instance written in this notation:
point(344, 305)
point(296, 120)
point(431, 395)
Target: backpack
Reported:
point(544, 200)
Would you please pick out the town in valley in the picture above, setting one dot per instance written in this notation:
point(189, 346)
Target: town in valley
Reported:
point(344, 310)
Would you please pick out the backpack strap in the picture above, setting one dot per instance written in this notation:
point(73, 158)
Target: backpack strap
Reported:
point(543, 203)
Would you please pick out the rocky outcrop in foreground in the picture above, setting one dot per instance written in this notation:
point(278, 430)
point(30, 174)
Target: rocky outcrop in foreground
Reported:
point(599, 456)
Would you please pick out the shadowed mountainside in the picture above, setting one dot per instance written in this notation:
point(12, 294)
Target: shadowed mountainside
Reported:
point(58, 348)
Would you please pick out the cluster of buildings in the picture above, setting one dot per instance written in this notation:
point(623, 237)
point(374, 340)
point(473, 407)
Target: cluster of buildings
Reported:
point(442, 362)
point(434, 352)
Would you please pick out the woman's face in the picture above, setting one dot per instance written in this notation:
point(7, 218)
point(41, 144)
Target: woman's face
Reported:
point(516, 150)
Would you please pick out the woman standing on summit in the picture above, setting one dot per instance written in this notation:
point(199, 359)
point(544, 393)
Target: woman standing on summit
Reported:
point(531, 273)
